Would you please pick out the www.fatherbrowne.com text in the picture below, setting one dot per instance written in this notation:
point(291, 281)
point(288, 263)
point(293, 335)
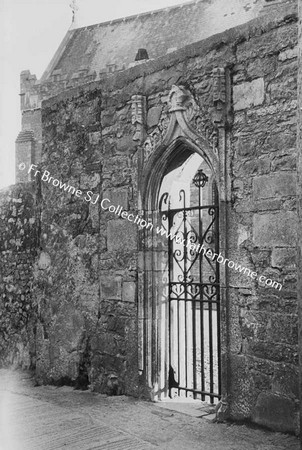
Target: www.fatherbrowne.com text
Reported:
point(142, 223)
point(193, 247)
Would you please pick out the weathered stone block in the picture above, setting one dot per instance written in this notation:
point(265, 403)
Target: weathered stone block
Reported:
point(129, 291)
point(95, 137)
point(275, 411)
point(248, 94)
point(250, 167)
point(273, 230)
point(283, 257)
point(118, 197)
point(94, 214)
point(153, 116)
point(111, 287)
point(276, 184)
point(286, 380)
point(243, 234)
point(267, 204)
point(288, 54)
point(243, 390)
point(285, 162)
point(246, 145)
point(88, 181)
point(283, 328)
point(260, 67)
point(44, 261)
point(284, 90)
point(272, 351)
point(281, 140)
point(122, 235)
point(125, 144)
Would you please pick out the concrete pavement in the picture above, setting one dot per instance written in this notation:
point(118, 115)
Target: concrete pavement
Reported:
point(51, 418)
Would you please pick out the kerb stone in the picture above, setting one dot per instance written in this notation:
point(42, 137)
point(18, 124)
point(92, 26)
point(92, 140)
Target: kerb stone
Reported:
point(275, 412)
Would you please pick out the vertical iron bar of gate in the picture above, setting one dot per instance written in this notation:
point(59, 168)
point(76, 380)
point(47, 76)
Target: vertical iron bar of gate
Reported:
point(218, 289)
point(178, 341)
point(201, 299)
point(186, 334)
point(211, 301)
point(193, 305)
point(214, 295)
point(178, 334)
point(170, 265)
point(154, 365)
point(185, 281)
point(210, 306)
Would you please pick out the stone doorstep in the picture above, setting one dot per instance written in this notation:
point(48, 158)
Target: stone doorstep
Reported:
point(272, 3)
point(193, 408)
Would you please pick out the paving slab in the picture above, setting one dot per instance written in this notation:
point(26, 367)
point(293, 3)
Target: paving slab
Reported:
point(50, 418)
point(193, 408)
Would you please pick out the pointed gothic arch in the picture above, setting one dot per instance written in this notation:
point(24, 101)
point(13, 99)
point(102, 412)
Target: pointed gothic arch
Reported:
point(177, 142)
point(178, 133)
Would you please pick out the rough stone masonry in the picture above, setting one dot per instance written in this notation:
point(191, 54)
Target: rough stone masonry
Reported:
point(76, 308)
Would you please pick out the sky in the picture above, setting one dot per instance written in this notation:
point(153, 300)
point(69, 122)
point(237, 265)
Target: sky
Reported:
point(30, 33)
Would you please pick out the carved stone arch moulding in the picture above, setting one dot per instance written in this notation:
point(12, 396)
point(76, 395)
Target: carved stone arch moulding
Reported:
point(182, 117)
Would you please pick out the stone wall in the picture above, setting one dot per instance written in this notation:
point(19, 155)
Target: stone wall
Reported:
point(87, 332)
point(19, 233)
point(86, 288)
point(265, 336)
point(115, 45)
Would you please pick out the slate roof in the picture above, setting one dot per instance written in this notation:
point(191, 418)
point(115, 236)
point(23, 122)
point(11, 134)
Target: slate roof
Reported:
point(113, 45)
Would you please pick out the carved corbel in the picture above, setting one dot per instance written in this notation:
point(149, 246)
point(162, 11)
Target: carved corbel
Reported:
point(221, 120)
point(221, 100)
point(219, 96)
point(182, 100)
point(177, 98)
point(138, 111)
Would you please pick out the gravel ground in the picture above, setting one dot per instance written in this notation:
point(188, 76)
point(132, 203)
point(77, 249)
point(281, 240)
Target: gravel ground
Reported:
point(50, 418)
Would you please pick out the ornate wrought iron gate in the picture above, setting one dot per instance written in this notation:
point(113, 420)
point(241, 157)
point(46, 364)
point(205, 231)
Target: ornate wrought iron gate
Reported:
point(193, 312)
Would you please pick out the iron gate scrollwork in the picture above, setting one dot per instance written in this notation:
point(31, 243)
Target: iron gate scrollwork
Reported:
point(194, 300)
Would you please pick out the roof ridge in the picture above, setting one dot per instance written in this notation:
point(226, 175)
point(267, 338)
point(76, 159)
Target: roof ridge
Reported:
point(134, 16)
